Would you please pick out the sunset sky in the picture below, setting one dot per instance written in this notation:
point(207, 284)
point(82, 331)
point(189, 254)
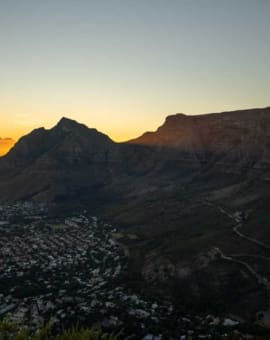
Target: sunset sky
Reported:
point(121, 66)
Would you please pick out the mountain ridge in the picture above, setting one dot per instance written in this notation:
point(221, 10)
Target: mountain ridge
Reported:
point(170, 189)
point(183, 146)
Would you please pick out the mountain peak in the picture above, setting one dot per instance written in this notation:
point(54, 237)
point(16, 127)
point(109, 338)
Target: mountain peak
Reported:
point(67, 124)
point(66, 120)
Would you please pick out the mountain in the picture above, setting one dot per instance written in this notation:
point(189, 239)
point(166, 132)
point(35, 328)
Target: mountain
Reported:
point(190, 200)
point(225, 138)
point(58, 164)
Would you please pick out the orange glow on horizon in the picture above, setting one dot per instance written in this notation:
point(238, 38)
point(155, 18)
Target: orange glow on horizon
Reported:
point(5, 145)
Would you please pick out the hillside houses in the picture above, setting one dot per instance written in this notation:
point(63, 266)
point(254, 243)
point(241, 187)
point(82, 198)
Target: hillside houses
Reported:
point(70, 270)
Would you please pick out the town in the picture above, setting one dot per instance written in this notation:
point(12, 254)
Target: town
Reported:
point(71, 270)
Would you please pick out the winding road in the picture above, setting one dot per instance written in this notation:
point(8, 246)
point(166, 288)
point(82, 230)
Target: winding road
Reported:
point(251, 239)
point(261, 280)
point(239, 223)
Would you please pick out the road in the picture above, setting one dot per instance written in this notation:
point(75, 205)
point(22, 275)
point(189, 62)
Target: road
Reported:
point(261, 280)
point(239, 223)
point(248, 238)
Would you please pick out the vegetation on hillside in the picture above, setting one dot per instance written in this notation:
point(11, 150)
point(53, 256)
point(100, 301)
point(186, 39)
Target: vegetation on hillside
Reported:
point(11, 331)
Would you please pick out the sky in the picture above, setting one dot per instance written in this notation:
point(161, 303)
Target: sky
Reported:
point(122, 66)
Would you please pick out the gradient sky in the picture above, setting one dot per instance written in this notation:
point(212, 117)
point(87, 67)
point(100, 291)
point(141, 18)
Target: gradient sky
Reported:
point(123, 65)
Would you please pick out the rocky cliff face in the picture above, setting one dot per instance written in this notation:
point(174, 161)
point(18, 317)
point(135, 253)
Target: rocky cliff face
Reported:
point(239, 139)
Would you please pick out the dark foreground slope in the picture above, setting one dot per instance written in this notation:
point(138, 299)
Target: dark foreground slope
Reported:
point(191, 200)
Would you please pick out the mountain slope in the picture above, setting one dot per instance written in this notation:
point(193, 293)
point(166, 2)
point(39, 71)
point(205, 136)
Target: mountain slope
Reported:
point(174, 195)
point(183, 149)
point(58, 163)
point(242, 136)
point(188, 172)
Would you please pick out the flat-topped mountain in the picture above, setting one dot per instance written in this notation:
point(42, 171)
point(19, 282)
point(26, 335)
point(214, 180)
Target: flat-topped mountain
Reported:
point(242, 136)
point(180, 192)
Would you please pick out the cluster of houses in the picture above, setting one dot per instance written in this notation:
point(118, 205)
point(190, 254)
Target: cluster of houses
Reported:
point(70, 270)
